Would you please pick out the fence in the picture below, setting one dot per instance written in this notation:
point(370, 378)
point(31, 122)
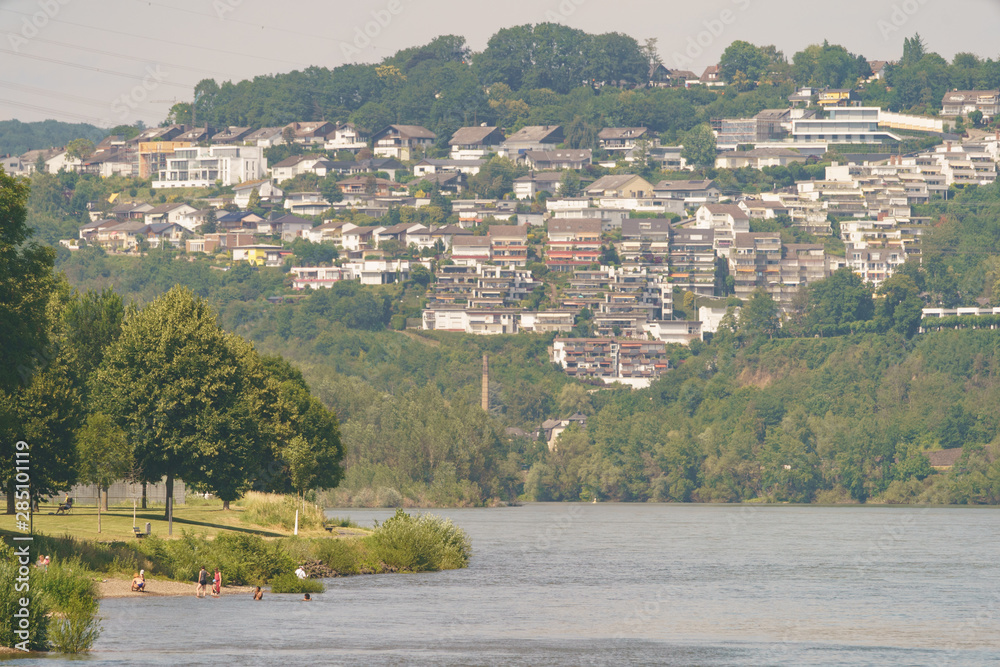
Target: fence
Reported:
point(124, 493)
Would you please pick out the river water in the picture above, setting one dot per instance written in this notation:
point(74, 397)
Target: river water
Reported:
point(609, 584)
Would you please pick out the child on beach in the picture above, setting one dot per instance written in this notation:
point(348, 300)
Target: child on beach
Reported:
point(217, 584)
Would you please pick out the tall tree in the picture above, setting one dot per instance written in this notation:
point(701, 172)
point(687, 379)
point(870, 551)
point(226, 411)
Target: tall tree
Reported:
point(193, 398)
point(26, 283)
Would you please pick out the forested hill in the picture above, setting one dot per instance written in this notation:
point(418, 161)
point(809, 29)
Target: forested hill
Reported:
point(17, 138)
point(799, 419)
point(552, 74)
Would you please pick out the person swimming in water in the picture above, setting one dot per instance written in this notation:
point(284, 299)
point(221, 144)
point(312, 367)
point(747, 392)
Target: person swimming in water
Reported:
point(306, 598)
point(258, 594)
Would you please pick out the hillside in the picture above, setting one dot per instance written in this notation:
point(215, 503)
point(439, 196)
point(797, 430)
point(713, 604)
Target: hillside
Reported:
point(17, 138)
point(842, 419)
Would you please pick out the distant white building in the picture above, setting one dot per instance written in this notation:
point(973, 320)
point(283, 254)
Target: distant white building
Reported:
point(204, 166)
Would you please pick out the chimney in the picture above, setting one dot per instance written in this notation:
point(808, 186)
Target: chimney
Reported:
point(949, 146)
point(486, 383)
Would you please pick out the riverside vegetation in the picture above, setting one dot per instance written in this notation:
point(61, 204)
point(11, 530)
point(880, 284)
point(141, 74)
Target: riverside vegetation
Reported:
point(64, 609)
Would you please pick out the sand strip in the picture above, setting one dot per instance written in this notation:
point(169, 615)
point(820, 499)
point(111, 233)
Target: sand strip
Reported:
point(122, 588)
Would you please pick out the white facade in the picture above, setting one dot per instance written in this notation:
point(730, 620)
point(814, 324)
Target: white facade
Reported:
point(203, 166)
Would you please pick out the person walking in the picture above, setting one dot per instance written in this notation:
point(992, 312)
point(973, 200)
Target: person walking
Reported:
point(217, 584)
point(199, 592)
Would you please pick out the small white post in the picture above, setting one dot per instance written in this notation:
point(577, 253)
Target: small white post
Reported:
point(296, 522)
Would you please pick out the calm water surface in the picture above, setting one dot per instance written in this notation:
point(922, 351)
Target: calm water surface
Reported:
point(557, 584)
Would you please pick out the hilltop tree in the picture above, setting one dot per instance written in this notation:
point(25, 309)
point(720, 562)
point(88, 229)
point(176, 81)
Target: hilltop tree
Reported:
point(742, 61)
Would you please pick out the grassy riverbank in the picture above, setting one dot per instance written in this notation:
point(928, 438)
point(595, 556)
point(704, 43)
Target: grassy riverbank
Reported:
point(198, 516)
point(248, 554)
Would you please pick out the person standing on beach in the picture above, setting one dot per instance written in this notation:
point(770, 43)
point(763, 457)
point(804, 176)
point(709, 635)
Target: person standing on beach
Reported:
point(217, 584)
point(199, 592)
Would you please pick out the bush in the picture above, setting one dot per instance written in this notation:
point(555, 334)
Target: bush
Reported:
point(38, 610)
point(419, 544)
point(343, 556)
point(289, 583)
point(76, 629)
point(62, 614)
point(67, 586)
point(249, 559)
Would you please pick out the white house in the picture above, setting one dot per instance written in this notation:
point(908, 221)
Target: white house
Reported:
point(265, 189)
point(204, 166)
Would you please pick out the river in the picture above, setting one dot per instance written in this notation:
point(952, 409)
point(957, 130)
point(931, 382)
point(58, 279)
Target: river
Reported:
point(609, 584)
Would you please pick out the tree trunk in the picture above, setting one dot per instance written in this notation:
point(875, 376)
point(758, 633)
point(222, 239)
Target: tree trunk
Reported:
point(10, 494)
point(144, 495)
point(225, 504)
point(169, 494)
point(104, 499)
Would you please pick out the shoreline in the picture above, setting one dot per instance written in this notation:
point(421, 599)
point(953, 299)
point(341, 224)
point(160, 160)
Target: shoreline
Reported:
point(114, 587)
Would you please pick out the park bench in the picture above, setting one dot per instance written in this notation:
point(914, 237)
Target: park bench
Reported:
point(139, 532)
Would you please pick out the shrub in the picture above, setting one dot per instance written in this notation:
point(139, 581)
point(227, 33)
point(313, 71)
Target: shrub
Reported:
point(342, 556)
point(76, 629)
point(418, 544)
point(287, 582)
point(67, 586)
point(249, 559)
point(38, 610)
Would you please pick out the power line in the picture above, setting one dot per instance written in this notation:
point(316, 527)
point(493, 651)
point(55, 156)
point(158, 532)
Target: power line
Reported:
point(126, 56)
point(65, 96)
point(91, 68)
point(170, 42)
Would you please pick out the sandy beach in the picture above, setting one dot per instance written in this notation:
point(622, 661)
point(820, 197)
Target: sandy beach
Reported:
point(122, 588)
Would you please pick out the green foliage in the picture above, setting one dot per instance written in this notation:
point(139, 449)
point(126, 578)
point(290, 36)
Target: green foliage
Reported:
point(37, 621)
point(287, 582)
point(194, 399)
point(17, 137)
point(270, 509)
point(63, 588)
point(421, 543)
point(699, 146)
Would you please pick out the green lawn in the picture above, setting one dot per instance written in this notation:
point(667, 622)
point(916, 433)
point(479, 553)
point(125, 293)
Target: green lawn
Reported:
point(206, 518)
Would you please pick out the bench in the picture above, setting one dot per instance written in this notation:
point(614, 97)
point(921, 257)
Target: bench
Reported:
point(138, 532)
point(64, 508)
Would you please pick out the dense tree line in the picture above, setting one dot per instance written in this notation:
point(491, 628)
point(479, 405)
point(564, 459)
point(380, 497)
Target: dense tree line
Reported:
point(17, 138)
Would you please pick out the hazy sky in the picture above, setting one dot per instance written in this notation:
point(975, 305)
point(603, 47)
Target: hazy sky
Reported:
point(117, 61)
